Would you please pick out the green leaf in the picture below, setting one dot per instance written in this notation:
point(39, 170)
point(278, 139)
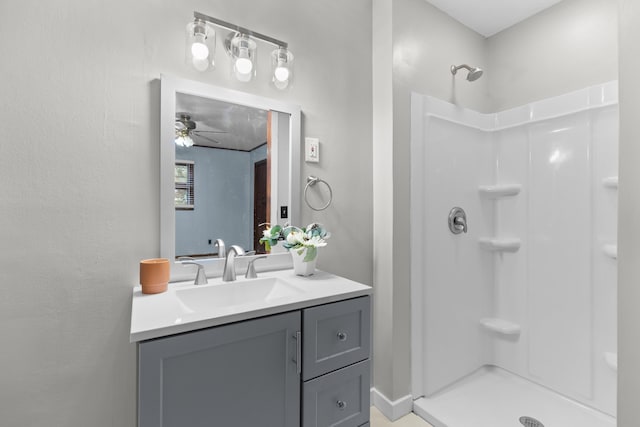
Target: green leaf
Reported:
point(311, 254)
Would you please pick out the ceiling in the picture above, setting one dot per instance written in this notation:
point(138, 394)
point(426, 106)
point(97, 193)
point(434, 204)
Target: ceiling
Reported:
point(223, 125)
point(488, 17)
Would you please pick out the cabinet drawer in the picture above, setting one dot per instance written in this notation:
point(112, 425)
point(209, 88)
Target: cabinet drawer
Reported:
point(338, 399)
point(335, 335)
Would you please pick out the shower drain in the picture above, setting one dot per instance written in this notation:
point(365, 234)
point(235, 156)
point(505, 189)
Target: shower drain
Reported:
point(530, 422)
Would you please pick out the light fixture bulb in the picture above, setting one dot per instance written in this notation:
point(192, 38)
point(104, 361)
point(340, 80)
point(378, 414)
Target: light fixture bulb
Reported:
point(243, 63)
point(199, 49)
point(281, 74)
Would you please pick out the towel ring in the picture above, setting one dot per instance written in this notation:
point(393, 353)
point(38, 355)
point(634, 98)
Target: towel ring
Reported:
point(311, 181)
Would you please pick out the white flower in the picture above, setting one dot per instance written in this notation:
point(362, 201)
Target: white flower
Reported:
point(295, 238)
point(267, 232)
point(315, 242)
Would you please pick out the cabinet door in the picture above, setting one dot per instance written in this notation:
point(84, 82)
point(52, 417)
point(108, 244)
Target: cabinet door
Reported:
point(243, 374)
point(335, 335)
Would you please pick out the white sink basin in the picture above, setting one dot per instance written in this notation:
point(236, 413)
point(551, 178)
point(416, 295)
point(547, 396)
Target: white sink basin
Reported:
point(238, 293)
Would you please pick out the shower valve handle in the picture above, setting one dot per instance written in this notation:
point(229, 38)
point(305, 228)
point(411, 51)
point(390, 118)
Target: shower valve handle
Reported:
point(457, 220)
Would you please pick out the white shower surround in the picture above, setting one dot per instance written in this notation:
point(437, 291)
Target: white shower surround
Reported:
point(531, 288)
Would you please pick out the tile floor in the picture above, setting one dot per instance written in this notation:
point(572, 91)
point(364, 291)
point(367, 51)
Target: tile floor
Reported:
point(411, 420)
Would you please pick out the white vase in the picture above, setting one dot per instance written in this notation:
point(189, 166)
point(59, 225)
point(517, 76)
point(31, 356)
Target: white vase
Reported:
point(300, 267)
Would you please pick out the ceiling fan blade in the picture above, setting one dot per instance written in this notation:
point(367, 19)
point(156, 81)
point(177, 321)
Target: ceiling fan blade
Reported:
point(205, 137)
point(210, 131)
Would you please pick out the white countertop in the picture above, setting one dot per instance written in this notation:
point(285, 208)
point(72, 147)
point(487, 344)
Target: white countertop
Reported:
point(159, 315)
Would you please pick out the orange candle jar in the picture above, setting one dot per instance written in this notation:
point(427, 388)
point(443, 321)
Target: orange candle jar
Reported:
point(154, 275)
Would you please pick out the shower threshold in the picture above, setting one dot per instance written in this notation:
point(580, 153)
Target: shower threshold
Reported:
point(496, 398)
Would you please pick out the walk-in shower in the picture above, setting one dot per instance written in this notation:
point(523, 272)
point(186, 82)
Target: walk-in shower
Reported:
point(474, 72)
point(514, 321)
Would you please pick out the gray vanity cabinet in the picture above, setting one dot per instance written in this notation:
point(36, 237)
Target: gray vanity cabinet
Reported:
point(307, 368)
point(242, 374)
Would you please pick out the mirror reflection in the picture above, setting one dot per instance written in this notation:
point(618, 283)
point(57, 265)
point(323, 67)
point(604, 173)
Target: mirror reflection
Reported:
point(223, 180)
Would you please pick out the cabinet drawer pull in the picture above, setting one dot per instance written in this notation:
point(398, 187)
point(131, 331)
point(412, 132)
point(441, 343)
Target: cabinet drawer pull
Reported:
point(342, 336)
point(341, 404)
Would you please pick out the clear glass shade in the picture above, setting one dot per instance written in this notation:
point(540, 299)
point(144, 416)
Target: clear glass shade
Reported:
point(243, 52)
point(281, 68)
point(200, 45)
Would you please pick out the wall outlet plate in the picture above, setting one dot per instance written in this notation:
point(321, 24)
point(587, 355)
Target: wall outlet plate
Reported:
point(312, 150)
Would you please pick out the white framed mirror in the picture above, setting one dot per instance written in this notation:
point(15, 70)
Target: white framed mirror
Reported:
point(229, 162)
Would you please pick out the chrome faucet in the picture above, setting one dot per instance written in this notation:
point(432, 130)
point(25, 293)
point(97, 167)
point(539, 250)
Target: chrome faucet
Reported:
point(229, 273)
point(221, 249)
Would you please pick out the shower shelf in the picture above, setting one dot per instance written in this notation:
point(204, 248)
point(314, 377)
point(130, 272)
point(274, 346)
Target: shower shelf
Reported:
point(610, 182)
point(500, 244)
point(610, 251)
point(612, 360)
point(500, 190)
point(500, 326)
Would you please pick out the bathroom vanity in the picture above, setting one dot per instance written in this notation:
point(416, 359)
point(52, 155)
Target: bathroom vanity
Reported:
point(280, 350)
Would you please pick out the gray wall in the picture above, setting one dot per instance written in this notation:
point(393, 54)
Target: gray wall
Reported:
point(628, 214)
point(79, 163)
point(568, 47)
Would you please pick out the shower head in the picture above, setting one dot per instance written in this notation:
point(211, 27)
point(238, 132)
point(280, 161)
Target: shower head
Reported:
point(474, 73)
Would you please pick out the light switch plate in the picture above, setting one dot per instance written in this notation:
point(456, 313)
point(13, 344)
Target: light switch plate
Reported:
point(312, 150)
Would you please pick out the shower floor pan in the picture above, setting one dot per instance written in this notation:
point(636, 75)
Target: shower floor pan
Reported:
point(492, 397)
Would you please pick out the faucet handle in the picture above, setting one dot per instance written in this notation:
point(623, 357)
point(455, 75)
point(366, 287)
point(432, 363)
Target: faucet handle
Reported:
point(251, 269)
point(201, 277)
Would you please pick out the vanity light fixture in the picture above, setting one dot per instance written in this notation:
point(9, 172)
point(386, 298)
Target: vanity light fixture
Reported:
point(241, 46)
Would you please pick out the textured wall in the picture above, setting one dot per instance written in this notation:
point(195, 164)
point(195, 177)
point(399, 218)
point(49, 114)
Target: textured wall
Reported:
point(568, 47)
point(79, 166)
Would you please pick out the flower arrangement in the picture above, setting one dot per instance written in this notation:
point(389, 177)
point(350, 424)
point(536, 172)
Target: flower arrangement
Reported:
point(310, 238)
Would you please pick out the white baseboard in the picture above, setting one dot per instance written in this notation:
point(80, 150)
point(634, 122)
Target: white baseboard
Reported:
point(392, 410)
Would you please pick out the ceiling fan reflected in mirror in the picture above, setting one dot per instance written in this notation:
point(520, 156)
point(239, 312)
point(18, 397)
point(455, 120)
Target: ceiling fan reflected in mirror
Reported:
point(186, 131)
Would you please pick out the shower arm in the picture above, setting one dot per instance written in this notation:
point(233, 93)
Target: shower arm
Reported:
point(455, 69)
